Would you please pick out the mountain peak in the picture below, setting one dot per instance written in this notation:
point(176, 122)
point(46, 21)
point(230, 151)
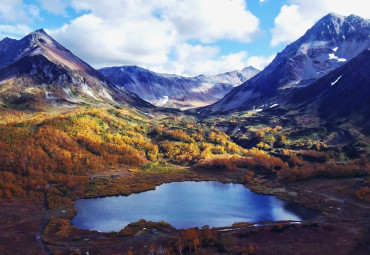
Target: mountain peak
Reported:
point(331, 42)
point(355, 18)
point(334, 28)
point(52, 68)
point(332, 15)
point(8, 39)
point(339, 20)
point(249, 68)
point(334, 18)
point(38, 35)
point(40, 31)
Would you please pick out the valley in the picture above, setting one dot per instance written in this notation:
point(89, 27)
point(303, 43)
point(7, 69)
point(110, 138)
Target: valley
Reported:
point(173, 91)
point(297, 131)
point(299, 168)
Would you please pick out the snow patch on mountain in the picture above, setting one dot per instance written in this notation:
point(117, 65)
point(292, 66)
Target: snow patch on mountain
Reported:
point(86, 90)
point(68, 92)
point(333, 41)
point(204, 87)
point(176, 91)
point(332, 56)
point(335, 82)
point(49, 96)
point(161, 102)
point(273, 106)
point(105, 93)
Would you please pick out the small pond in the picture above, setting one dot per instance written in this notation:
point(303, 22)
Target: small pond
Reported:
point(185, 205)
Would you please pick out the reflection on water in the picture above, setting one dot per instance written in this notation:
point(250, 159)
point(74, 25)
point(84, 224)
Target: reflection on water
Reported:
point(184, 205)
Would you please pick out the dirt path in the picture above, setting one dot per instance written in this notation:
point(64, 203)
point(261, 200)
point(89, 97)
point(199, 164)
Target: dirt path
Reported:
point(44, 223)
point(339, 200)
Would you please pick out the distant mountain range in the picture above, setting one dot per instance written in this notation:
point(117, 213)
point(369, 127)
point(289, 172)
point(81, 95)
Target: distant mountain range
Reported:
point(325, 72)
point(333, 41)
point(37, 71)
point(176, 91)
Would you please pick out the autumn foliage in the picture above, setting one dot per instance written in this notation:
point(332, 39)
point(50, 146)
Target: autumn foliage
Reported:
point(254, 160)
point(58, 149)
point(55, 153)
point(360, 167)
point(363, 192)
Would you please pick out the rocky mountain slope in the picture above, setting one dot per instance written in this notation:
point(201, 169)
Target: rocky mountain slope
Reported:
point(343, 93)
point(176, 91)
point(37, 70)
point(331, 42)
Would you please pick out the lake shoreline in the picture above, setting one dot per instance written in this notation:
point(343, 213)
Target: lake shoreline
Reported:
point(258, 186)
point(187, 204)
point(60, 234)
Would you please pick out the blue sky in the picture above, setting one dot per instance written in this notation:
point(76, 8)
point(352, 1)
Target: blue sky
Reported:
point(188, 37)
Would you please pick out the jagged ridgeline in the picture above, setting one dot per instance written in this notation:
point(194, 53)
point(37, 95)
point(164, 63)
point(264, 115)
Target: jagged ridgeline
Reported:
point(37, 72)
point(176, 91)
point(331, 42)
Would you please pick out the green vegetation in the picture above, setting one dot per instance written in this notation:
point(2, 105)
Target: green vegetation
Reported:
point(92, 152)
point(64, 150)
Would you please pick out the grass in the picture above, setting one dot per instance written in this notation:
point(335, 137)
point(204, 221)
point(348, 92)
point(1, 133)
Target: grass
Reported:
point(163, 167)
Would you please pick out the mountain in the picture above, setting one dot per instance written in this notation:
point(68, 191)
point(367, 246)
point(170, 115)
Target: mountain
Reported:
point(330, 43)
point(37, 70)
point(343, 93)
point(176, 91)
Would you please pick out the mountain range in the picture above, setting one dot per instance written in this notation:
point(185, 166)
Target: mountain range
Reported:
point(333, 41)
point(323, 72)
point(37, 71)
point(176, 91)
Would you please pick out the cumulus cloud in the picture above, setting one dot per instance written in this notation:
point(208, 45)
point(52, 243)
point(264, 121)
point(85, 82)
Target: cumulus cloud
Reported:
point(294, 19)
point(156, 34)
point(210, 20)
point(14, 31)
point(14, 14)
point(178, 36)
point(54, 6)
point(104, 42)
point(17, 11)
point(192, 60)
point(260, 62)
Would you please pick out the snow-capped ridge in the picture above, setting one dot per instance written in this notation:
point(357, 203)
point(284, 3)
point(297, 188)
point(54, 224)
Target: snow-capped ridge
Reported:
point(173, 90)
point(333, 41)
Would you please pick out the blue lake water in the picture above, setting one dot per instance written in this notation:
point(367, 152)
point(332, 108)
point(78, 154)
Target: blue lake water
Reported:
point(184, 205)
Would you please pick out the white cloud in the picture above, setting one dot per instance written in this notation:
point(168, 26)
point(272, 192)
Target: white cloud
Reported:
point(54, 6)
point(210, 20)
point(17, 11)
point(192, 60)
point(260, 62)
point(156, 34)
point(294, 19)
point(14, 31)
point(207, 20)
point(103, 42)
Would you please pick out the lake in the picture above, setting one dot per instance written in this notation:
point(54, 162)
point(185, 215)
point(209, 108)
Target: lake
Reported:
point(185, 205)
